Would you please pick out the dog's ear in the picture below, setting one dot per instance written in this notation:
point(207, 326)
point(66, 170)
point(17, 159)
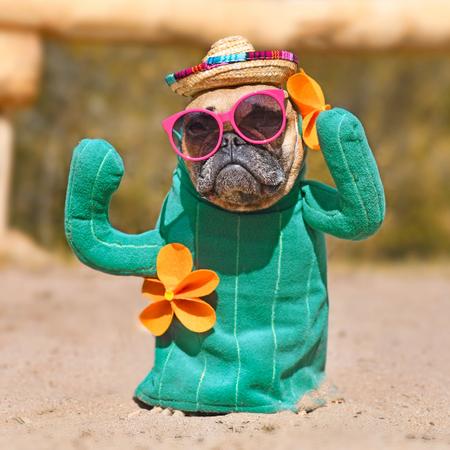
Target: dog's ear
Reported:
point(241, 176)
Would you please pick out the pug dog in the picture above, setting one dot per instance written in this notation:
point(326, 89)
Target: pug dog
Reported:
point(242, 176)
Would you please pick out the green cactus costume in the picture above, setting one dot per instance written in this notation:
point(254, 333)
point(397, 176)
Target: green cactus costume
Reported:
point(268, 346)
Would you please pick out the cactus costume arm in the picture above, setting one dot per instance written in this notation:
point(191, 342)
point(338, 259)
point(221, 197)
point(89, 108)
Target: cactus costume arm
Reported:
point(95, 175)
point(356, 209)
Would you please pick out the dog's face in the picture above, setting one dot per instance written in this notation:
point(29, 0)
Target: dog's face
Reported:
point(242, 176)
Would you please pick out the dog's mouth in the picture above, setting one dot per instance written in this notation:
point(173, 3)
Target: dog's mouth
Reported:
point(236, 184)
point(241, 178)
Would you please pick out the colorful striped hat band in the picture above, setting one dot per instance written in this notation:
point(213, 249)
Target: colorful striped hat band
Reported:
point(216, 61)
point(233, 61)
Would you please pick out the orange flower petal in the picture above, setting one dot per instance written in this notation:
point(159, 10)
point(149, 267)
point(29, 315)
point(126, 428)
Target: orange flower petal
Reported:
point(197, 284)
point(153, 289)
point(308, 96)
point(309, 130)
point(305, 93)
point(157, 317)
point(174, 263)
point(195, 314)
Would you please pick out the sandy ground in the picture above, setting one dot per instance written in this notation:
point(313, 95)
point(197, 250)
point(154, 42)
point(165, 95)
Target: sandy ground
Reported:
point(72, 351)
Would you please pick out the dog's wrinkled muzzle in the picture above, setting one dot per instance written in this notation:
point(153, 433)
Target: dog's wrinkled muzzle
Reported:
point(239, 172)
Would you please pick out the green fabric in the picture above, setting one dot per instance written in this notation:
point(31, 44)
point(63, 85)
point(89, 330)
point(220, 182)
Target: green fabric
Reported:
point(95, 175)
point(268, 346)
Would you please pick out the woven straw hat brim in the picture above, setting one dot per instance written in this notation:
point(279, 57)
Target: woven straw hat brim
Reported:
point(272, 72)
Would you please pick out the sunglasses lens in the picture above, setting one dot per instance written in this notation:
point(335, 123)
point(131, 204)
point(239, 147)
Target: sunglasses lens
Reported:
point(196, 134)
point(259, 117)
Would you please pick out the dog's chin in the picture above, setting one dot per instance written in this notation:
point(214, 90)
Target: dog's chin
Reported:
point(236, 186)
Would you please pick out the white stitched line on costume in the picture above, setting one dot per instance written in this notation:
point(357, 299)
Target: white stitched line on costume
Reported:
point(235, 312)
point(356, 187)
point(280, 244)
point(71, 176)
point(164, 369)
point(74, 168)
point(196, 236)
point(92, 215)
point(309, 315)
point(204, 370)
point(353, 179)
point(196, 266)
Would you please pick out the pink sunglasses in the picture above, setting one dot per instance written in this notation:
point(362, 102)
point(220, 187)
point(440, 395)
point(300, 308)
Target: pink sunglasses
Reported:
point(258, 118)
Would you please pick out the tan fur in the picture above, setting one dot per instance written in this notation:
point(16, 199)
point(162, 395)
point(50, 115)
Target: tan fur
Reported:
point(223, 100)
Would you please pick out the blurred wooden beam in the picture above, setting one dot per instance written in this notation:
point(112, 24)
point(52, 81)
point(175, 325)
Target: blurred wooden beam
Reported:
point(268, 24)
point(20, 67)
point(6, 145)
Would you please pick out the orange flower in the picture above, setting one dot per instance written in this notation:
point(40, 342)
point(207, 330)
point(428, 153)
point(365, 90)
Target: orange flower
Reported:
point(177, 291)
point(308, 96)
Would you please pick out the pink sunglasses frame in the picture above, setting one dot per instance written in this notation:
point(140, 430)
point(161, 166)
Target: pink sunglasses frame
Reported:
point(221, 118)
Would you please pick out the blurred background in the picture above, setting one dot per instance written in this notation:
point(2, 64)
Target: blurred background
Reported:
point(69, 72)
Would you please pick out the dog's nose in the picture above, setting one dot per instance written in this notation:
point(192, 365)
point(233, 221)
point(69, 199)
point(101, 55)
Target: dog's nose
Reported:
point(230, 141)
point(231, 138)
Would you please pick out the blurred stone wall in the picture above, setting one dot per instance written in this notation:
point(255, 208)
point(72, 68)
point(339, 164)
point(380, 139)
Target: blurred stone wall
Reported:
point(118, 93)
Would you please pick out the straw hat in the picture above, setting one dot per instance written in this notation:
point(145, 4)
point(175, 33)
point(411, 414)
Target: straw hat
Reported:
point(232, 62)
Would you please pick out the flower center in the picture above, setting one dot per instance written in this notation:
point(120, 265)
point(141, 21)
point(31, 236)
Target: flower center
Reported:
point(168, 295)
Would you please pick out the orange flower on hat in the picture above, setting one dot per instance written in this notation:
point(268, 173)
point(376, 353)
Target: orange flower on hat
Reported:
point(177, 291)
point(308, 96)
